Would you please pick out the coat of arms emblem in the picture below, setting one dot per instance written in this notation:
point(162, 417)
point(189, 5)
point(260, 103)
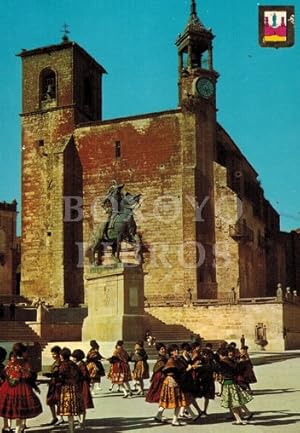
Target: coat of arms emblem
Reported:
point(276, 26)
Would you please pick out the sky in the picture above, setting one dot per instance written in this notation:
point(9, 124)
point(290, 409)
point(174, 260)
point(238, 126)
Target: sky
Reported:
point(258, 91)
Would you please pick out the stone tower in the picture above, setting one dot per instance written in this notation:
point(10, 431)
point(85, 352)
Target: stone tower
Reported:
point(197, 99)
point(61, 87)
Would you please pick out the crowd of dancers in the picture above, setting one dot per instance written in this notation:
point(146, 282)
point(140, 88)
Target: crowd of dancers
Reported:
point(180, 377)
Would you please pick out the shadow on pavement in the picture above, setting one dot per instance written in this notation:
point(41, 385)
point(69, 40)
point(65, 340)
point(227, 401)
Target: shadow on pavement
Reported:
point(118, 424)
point(269, 359)
point(274, 391)
point(104, 425)
point(278, 419)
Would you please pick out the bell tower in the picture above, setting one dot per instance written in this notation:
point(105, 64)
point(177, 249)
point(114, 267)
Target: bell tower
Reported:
point(61, 87)
point(195, 60)
point(197, 100)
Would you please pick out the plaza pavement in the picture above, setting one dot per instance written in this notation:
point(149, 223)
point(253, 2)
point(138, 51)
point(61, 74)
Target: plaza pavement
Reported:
point(276, 407)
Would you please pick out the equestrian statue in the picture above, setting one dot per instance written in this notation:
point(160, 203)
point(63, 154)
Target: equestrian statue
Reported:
point(120, 225)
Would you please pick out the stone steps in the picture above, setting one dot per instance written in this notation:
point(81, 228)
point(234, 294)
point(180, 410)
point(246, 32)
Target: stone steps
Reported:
point(17, 331)
point(164, 332)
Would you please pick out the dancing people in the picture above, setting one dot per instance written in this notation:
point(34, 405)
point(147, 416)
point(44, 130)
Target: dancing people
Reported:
point(3, 353)
point(70, 401)
point(246, 372)
point(158, 376)
point(189, 383)
point(95, 366)
point(53, 386)
point(141, 367)
point(78, 356)
point(120, 371)
point(17, 397)
point(233, 397)
point(171, 396)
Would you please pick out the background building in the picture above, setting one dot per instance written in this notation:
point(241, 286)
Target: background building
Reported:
point(9, 251)
point(204, 221)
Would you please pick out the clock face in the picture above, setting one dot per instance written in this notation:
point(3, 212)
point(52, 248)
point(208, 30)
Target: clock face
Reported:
point(205, 87)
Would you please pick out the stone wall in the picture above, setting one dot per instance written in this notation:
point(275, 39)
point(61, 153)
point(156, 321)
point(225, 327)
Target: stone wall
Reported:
point(240, 263)
point(226, 250)
point(150, 164)
point(229, 322)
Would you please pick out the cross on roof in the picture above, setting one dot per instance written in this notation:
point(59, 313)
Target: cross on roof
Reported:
point(65, 32)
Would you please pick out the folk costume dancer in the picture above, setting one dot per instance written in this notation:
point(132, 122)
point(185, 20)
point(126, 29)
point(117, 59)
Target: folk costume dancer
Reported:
point(233, 396)
point(17, 398)
point(188, 382)
point(70, 402)
point(206, 374)
point(78, 356)
point(3, 353)
point(246, 372)
point(158, 376)
point(95, 366)
point(53, 391)
point(120, 372)
point(171, 396)
point(141, 367)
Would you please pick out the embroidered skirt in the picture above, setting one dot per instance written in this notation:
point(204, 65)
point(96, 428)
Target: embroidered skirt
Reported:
point(233, 395)
point(120, 372)
point(141, 370)
point(18, 401)
point(171, 395)
point(52, 394)
point(70, 401)
point(86, 396)
point(154, 391)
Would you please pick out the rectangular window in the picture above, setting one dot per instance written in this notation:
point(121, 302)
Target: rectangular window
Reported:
point(117, 149)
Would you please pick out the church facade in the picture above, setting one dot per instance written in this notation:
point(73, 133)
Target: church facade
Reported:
point(206, 227)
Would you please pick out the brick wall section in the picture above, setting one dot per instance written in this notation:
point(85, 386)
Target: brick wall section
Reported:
point(151, 165)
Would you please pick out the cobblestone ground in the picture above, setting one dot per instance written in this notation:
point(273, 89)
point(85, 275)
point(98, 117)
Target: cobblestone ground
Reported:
point(275, 406)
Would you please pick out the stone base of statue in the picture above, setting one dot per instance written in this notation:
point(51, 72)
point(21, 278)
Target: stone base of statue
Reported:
point(115, 303)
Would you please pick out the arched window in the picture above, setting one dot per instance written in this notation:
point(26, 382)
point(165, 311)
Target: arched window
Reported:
point(87, 93)
point(48, 85)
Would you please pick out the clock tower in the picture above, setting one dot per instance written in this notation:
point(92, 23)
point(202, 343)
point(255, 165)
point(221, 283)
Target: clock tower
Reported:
point(197, 100)
point(197, 77)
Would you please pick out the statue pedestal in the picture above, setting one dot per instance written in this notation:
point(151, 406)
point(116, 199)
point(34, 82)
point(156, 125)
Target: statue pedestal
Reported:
point(115, 303)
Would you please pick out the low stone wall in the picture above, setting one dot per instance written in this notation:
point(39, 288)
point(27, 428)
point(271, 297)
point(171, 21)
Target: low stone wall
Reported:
point(59, 324)
point(230, 321)
point(62, 331)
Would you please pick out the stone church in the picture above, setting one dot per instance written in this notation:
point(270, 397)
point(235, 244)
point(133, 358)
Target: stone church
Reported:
point(207, 229)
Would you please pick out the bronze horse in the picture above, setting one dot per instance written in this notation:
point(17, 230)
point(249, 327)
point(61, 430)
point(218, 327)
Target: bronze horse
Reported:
point(120, 225)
